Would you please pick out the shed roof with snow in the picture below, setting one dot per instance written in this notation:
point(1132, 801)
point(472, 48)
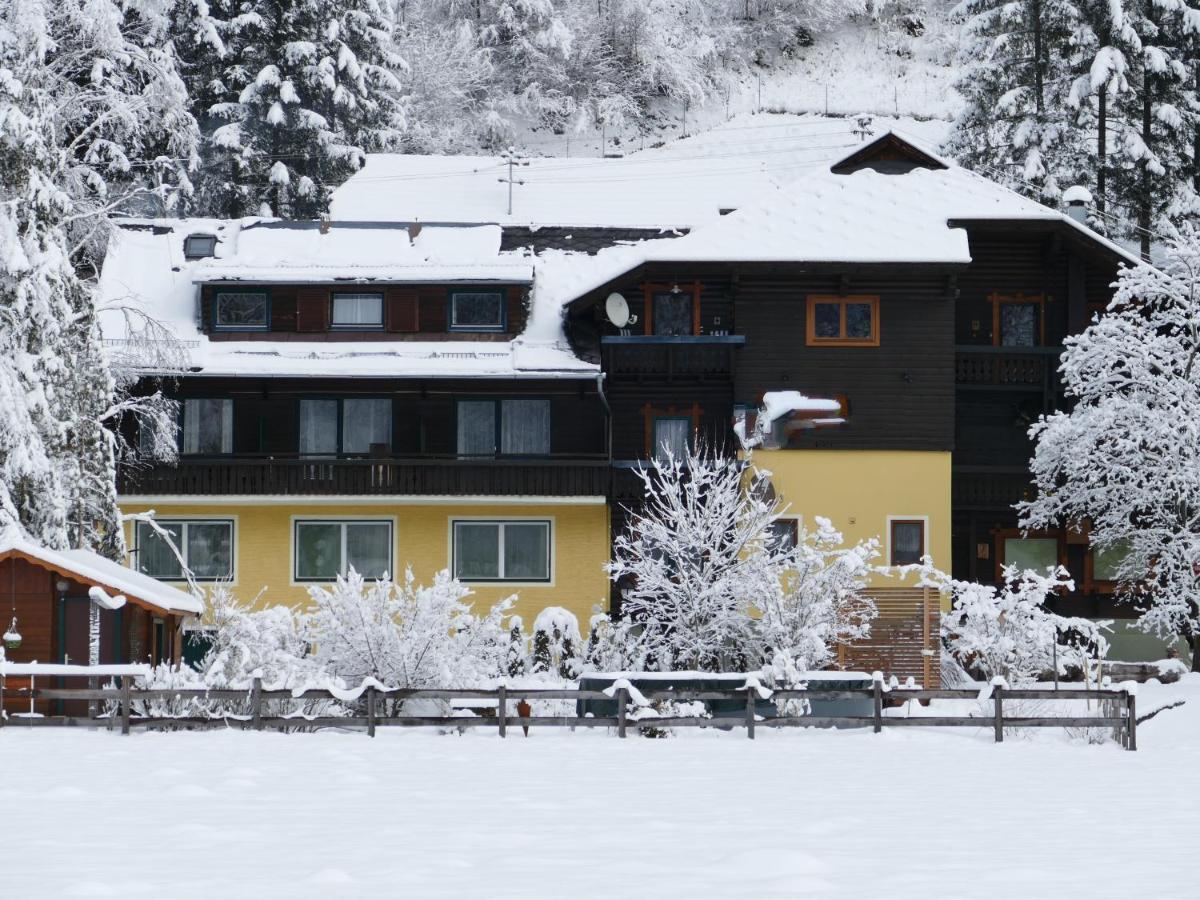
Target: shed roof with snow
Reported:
point(96, 571)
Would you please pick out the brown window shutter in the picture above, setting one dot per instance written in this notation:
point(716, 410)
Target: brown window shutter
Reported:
point(403, 308)
point(312, 309)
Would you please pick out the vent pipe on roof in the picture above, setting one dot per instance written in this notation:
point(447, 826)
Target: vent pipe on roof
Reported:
point(1078, 199)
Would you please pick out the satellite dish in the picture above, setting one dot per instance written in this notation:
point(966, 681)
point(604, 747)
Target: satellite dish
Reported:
point(617, 310)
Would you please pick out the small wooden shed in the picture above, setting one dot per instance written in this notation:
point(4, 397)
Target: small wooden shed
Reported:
point(50, 594)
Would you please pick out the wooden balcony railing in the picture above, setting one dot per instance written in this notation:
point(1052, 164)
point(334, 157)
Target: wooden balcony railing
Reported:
point(649, 357)
point(1032, 368)
point(434, 476)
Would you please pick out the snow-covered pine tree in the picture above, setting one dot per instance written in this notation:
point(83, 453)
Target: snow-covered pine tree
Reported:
point(1124, 463)
point(301, 91)
point(1022, 123)
point(92, 120)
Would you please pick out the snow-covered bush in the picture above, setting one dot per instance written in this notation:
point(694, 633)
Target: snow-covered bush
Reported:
point(1007, 631)
point(613, 645)
point(516, 661)
point(710, 587)
point(270, 643)
point(556, 642)
point(407, 635)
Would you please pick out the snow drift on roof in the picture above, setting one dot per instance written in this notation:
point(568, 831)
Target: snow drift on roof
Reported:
point(93, 567)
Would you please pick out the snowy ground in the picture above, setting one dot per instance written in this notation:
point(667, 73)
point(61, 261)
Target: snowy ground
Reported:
point(942, 813)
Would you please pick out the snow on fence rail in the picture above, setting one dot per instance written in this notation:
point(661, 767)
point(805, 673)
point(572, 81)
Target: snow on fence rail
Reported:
point(1117, 707)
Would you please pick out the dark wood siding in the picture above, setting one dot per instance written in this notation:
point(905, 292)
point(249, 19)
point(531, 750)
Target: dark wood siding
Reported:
point(412, 312)
point(900, 394)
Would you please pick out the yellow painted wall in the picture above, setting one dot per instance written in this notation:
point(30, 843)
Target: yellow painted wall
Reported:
point(263, 535)
point(859, 489)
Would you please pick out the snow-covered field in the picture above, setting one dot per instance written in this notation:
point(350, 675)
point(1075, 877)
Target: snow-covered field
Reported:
point(904, 814)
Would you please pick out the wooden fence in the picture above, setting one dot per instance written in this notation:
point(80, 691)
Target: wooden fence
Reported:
point(1116, 709)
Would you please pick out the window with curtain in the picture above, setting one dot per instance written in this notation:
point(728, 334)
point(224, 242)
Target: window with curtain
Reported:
point(325, 549)
point(207, 426)
point(357, 311)
point(514, 426)
point(673, 314)
point(672, 437)
point(366, 424)
point(525, 427)
point(1019, 324)
point(352, 426)
point(318, 427)
point(501, 550)
point(846, 321)
point(908, 541)
point(206, 546)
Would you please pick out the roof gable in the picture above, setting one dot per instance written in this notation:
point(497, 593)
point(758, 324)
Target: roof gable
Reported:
point(888, 153)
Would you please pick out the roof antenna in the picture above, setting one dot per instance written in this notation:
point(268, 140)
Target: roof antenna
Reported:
point(511, 158)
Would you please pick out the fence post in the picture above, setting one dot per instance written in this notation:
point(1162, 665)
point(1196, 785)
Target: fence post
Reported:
point(502, 710)
point(878, 703)
point(126, 703)
point(93, 703)
point(371, 711)
point(2, 717)
point(750, 713)
point(998, 697)
point(1131, 711)
point(621, 712)
point(256, 703)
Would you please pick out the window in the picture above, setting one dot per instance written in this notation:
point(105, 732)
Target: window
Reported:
point(242, 310)
point(518, 426)
point(501, 551)
point(326, 549)
point(907, 541)
point(206, 546)
point(1016, 320)
point(672, 437)
point(673, 314)
point(357, 311)
point(843, 321)
point(477, 311)
point(354, 427)
point(198, 246)
point(1036, 553)
point(783, 534)
point(1102, 571)
point(207, 426)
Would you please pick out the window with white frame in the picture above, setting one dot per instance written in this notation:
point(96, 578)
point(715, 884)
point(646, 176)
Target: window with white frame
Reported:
point(512, 550)
point(206, 546)
point(207, 426)
point(359, 310)
point(327, 548)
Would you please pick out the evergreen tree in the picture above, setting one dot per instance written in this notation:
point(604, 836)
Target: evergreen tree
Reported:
point(1024, 122)
point(92, 120)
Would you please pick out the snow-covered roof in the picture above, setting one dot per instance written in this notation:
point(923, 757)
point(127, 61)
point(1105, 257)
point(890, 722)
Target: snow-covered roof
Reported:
point(114, 578)
point(864, 216)
point(147, 276)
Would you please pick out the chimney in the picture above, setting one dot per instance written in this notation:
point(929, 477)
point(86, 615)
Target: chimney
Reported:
point(1078, 200)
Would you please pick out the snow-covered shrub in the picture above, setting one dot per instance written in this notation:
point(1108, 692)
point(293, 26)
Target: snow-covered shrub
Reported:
point(710, 587)
point(407, 635)
point(1007, 631)
point(271, 643)
point(613, 645)
point(557, 643)
point(516, 661)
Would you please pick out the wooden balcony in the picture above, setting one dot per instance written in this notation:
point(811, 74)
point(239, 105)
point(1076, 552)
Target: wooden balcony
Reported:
point(990, 488)
point(575, 476)
point(1007, 368)
point(680, 358)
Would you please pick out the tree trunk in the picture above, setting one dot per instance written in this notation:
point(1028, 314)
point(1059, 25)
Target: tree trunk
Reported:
point(1193, 642)
point(1145, 200)
point(1102, 150)
point(1039, 74)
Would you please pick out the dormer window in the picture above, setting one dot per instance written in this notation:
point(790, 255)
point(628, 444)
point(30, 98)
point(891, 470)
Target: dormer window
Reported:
point(199, 246)
point(477, 311)
point(357, 311)
point(242, 310)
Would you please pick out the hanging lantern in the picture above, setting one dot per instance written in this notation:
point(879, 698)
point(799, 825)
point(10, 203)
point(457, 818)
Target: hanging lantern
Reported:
point(12, 637)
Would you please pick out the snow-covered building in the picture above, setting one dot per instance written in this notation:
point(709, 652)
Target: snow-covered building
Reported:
point(429, 379)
